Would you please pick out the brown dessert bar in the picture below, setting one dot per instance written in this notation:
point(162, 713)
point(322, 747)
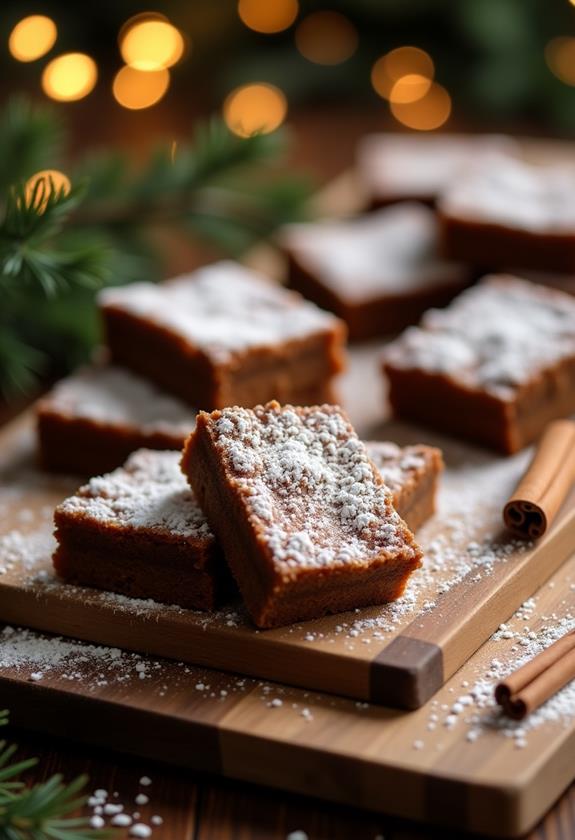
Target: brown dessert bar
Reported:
point(494, 367)
point(140, 532)
point(378, 273)
point(396, 167)
point(412, 474)
point(304, 519)
point(224, 336)
point(509, 212)
point(90, 422)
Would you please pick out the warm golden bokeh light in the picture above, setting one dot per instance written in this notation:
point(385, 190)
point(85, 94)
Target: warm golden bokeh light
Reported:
point(137, 89)
point(69, 77)
point(427, 113)
point(268, 16)
point(256, 107)
point(560, 57)
point(409, 88)
point(326, 38)
point(32, 38)
point(54, 181)
point(150, 42)
point(403, 61)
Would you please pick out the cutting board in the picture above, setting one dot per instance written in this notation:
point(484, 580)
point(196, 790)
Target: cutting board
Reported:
point(474, 576)
point(409, 764)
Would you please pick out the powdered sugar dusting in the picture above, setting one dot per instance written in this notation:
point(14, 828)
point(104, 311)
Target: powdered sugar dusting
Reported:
point(391, 251)
point(148, 492)
point(115, 397)
point(306, 480)
point(224, 309)
point(516, 194)
point(397, 464)
point(485, 338)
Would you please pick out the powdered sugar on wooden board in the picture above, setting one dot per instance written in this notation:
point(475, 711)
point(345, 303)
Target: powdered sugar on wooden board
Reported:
point(115, 397)
point(224, 309)
point(485, 338)
point(306, 481)
point(148, 493)
point(393, 251)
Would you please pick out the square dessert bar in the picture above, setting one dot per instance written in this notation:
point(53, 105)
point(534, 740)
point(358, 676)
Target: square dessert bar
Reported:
point(139, 531)
point(304, 519)
point(224, 335)
point(511, 213)
point(412, 474)
point(378, 273)
point(396, 167)
point(90, 422)
point(494, 367)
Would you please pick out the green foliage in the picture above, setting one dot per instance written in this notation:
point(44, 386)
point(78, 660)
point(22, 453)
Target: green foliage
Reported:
point(58, 247)
point(40, 812)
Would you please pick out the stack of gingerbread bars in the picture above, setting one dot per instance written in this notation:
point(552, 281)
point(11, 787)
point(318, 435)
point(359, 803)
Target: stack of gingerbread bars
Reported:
point(242, 477)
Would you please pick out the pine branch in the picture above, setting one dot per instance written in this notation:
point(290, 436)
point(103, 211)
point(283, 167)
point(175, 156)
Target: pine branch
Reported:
point(40, 812)
point(31, 139)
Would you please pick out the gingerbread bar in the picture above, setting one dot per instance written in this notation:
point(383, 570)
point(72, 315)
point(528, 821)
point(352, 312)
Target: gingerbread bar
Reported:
point(494, 367)
point(412, 474)
point(91, 421)
point(139, 531)
point(511, 213)
point(396, 167)
point(304, 519)
point(378, 273)
point(224, 336)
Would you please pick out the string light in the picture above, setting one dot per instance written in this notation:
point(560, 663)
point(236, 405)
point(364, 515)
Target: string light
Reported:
point(32, 38)
point(138, 89)
point(69, 77)
point(150, 42)
point(560, 57)
point(326, 38)
point(59, 182)
point(409, 88)
point(398, 63)
point(427, 113)
point(268, 16)
point(256, 107)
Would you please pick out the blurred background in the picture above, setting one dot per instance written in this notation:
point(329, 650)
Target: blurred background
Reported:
point(143, 118)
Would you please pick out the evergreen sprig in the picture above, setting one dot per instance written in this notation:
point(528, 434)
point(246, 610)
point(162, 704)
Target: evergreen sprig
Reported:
point(41, 811)
point(58, 246)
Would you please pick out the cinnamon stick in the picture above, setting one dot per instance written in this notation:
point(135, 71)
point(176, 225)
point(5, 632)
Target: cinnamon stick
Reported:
point(530, 686)
point(542, 490)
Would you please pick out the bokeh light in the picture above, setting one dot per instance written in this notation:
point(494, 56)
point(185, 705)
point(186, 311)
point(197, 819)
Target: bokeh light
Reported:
point(59, 182)
point(409, 88)
point(150, 42)
point(32, 38)
point(268, 16)
point(560, 57)
point(256, 107)
point(138, 89)
point(326, 38)
point(400, 62)
point(69, 77)
point(427, 113)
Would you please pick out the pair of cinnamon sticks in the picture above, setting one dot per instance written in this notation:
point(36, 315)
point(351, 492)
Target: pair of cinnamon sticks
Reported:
point(530, 686)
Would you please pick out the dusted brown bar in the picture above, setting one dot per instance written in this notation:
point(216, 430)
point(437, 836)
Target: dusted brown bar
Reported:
point(511, 213)
point(223, 335)
point(139, 531)
point(303, 517)
point(90, 422)
point(378, 273)
point(412, 474)
point(494, 367)
point(399, 167)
